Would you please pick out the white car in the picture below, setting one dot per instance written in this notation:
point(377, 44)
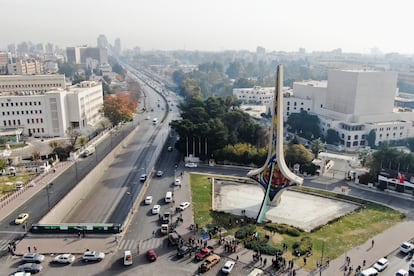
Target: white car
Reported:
point(143, 177)
point(228, 267)
point(191, 165)
point(148, 200)
point(401, 272)
point(406, 247)
point(184, 205)
point(160, 173)
point(411, 268)
point(156, 209)
point(177, 182)
point(381, 264)
point(93, 256)
point(64, 259)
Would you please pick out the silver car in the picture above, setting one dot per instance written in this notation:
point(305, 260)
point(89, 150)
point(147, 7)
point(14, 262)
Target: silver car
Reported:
point(33, 258)
point(30, 267)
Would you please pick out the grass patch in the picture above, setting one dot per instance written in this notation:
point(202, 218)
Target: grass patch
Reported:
point(24, 177)
point(201, 196)
point(333, 239)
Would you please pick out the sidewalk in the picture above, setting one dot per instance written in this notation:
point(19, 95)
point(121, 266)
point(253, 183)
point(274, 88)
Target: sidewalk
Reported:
point(13, 201)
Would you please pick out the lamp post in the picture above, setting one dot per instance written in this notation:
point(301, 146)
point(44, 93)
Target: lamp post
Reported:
point(48, 194)
point(320, 265)
point(130, 202)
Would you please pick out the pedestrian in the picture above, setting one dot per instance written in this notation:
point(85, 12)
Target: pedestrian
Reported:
point(237, 258)
point(261, 260)
point(304, 260)
point(153, 233)
point(138, 248)
point(264, 262)
point(28, 249)
point(372, 243)
point(34, 248)
point(79, 234)
point(364, 263)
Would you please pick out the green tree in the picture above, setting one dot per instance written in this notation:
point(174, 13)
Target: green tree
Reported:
point(332, 137)
point(235, 70)
point(304, 124)
point(371, 139)
point(317, 146)
point(297, 154)
point(3, 164)
point(243, 83)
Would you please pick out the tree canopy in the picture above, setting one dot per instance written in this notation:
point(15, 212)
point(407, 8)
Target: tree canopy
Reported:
point(119, 108)
point(304, 125)
point(214, 123)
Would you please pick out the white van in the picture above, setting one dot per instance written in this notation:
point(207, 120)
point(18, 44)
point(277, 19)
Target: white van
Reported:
point(256, 272)
point(168, 197)
point(127, 257)
point(18, 185)
point(369, 272)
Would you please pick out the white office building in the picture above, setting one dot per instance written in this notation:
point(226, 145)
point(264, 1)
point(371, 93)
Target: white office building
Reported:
point(353, 103)
point(49, 113)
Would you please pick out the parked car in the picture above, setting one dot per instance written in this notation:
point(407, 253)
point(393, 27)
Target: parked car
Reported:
point(411, 268)
point(156, 209)
point(381, 264)
point(184, 250)
point(184, 205)
point(148, 200)
point(228, 267)
point(64, 259)
point(33, 258)
point(21, 218)
point(30, 267)
point(177, 182)
point(202, 253)
point(152, 255)
point(406, 247)
point(191, 165)
point(209, 262)
point(160, 173)
point(401, 272)
point(93, 256)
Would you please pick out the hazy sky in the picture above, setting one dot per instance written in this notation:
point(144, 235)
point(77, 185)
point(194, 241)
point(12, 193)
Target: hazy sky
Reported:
point(214, 25)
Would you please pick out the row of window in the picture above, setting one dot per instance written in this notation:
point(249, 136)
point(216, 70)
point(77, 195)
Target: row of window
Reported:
point(16, 122)
point(294, 103)
point(17, 112)
point(12, 86)
point(21, 104)
point(389, 128)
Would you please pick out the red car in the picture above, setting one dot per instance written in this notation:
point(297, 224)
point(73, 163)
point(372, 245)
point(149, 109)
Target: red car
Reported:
point(202, 253)
point(152, 255)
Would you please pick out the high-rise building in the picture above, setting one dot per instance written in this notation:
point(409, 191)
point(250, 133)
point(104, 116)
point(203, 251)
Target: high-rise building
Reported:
point(102, 42)
point(79, 55)
point(117, 46)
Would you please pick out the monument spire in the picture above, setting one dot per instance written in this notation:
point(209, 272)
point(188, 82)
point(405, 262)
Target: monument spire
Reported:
point(274, 176)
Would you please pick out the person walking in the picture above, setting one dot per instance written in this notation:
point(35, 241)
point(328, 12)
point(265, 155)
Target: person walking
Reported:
point(372, 243)
point(28, 249)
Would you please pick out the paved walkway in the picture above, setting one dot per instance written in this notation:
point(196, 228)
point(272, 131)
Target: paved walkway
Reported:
point(14, 200)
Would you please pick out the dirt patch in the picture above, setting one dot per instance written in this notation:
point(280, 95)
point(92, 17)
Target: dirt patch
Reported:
point(277, 239)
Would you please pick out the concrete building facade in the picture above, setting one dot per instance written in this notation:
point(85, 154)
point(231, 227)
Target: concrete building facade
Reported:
point(50, 113)
point(31, 83)
point(353, 103)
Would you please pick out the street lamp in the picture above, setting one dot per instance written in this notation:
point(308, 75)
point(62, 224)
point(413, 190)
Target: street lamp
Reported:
point(48, 194)
point(130, 201)
point(320, 265)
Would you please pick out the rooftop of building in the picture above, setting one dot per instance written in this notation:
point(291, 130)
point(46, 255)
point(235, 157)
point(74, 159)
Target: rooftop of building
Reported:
point(314, 83)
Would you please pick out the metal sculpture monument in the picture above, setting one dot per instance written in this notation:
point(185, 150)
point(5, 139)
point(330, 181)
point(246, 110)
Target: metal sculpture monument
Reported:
point(274, 176)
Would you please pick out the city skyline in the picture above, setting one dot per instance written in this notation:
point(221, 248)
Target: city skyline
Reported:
point(320, 25)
